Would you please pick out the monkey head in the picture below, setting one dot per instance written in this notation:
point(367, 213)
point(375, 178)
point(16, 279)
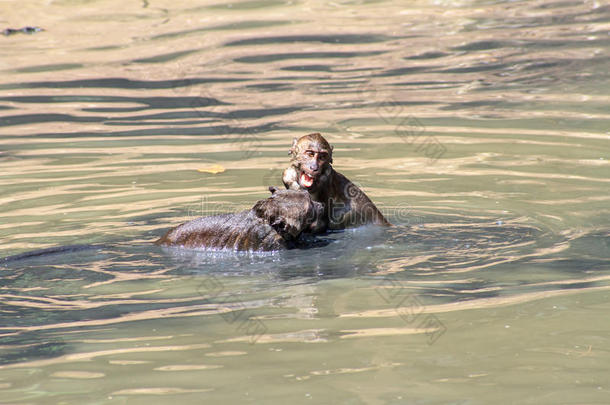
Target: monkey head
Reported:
point(290, 212)
point(311, 157)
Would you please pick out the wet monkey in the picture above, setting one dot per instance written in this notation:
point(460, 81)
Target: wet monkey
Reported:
point(271, 224)
point(345, 205)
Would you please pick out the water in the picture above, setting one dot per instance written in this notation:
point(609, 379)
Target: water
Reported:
point(480, 128)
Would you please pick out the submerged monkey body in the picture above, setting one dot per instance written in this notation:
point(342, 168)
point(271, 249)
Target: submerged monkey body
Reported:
point(345, 205)
point(272, 224)
point(239, 231)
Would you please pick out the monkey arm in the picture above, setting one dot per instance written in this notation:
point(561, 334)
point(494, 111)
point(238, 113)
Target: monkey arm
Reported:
point(352, 206)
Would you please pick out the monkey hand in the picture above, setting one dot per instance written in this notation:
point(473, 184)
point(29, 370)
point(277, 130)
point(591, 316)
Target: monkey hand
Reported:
point(290, 179)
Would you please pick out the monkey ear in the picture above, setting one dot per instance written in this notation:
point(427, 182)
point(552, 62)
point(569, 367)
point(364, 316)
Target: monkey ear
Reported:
point(293, 149)
point(273, 189)
point(331, 153)
point(259, 208)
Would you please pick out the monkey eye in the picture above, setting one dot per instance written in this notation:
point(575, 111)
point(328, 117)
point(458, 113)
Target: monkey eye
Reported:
point(323, 155)
point(310, 153)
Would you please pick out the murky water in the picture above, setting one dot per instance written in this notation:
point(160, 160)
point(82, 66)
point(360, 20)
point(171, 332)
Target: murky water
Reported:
point(480, 128)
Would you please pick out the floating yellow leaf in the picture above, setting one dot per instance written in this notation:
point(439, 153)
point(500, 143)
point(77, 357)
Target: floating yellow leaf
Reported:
point(215, 169)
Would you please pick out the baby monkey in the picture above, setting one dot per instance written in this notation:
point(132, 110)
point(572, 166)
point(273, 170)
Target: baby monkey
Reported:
point(345, 205)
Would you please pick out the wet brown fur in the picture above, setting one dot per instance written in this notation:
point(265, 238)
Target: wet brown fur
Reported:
point(274, 223)
point(345, 205)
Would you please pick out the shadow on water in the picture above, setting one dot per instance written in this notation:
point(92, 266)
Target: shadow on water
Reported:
point(208, 130)
point(30, 347)
point(328, 39)
point(118, 83)
point(146, 102)
point(232, 26)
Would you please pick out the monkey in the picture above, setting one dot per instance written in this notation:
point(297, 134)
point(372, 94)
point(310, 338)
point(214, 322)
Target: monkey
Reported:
point(345, 205)
point(271, 224)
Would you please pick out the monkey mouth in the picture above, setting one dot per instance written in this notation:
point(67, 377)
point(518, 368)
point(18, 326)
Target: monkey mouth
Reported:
point(306, 180)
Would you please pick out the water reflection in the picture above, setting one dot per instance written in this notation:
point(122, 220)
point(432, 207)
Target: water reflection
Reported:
point(445, 264)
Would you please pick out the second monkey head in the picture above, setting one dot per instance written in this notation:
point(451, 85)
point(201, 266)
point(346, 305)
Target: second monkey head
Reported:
point(312, 156)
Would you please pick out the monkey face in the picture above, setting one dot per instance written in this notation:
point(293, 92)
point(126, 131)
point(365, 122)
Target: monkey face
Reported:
point(312, 157)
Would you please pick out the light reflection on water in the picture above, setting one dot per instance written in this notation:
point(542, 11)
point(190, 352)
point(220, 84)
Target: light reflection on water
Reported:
point(479, 128)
